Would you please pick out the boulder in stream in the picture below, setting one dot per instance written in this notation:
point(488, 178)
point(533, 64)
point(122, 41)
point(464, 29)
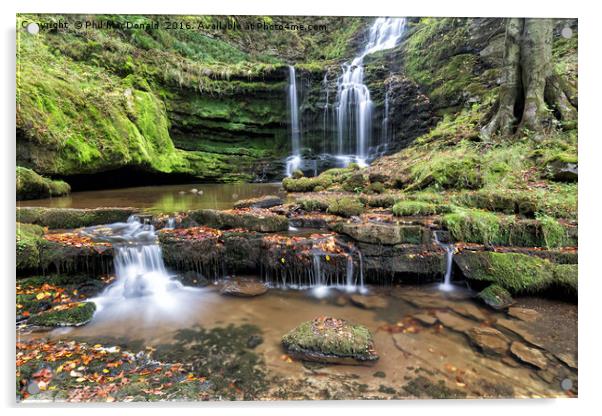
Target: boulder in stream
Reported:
point(496, 296)
point(331, 340)
point(253, 219)
point(267, 201)
point(244, 288)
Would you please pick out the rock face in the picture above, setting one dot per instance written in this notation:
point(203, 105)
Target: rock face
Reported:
point(563, 171)
point(254, 219)
point(244, 288)
point(529, 355)
point(331, 340)
point(490, 340)
point(267, 201)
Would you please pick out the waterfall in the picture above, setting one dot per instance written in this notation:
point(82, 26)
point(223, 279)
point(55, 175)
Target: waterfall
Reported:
point(139, 268)
point(449, 257)
point(294, 161)
point(354, 106)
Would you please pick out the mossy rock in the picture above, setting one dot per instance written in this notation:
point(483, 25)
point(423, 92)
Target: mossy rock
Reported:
point(60, 218)
point(313, 204)
point(515, 272)
point(331, 340)
point(254, 220)
point(378, 201)
point(484, 227)
point(306, 184)
point(29, 237)
point(413, 208)
point(78, 315)
point(566, 278)
point(355, 183)
point(30, 185)
point(376, 188)
point(345, 207)
point(496, 296)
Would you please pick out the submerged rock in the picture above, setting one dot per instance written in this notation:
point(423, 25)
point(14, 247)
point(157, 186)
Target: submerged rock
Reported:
point(529, 355)
point(331, 340)
point(244, 288)
point(77, 315)
point(496, 296)
point(369, 302)
point(425, 318)
point(488, 339)
point(524, 314)
point(453, 321)
point(267, 201)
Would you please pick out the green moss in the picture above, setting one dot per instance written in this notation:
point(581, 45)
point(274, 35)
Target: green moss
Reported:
point(496, 296)
point(376, 188)
point(72, 218)
point(306, 184)
point(78, 315)
point(313, 204)
point(30, 185)
point(518, 273)
point(409, 208)
point(554, 234)
point(345, 207)
point(378, 201)
point(457, 169)
point(345, 340)
point(29, 237)
point(566, 277)
point(355, 183)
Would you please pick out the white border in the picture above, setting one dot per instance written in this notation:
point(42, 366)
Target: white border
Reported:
point(590, 202)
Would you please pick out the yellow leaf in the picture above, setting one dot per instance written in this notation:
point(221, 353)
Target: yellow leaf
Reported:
point(105, 371)
point(40, 296)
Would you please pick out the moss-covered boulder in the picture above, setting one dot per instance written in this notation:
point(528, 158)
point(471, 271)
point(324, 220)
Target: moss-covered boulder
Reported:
point(345, 207)
point(516, 272)
point(30, 185)
point(29, 237)
point(479, 226)
point(331, 340)
point(496, 296)
point(77, 314)
point(254, 219)
point(62, 218)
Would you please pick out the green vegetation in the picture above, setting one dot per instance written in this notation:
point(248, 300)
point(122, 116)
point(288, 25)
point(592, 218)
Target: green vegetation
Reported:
point(345, 207)
point(79, 314)
point(409, 208)
point(29, 237)
point(30, 185)
point(517, 273)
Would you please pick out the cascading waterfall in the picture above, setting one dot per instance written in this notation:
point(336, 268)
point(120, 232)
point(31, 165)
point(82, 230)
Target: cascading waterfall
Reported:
point(449, 257)
point(294, 161)
point(139, 268)
point(354, 106)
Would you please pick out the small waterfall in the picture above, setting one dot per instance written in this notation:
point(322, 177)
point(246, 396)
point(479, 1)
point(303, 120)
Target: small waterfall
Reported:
point(139, 268)
point(171, 223)
point(449, 257)
point(354, 106)
point(294, 161)
point(385, 126)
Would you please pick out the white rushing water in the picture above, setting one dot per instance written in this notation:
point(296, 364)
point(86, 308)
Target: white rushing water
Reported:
point(449, 257)
point(294, 161)
point(140, 274)
point(354, 107)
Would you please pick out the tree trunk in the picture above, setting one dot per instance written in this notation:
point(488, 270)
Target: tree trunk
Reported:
point(528, 82)
point(536, 57)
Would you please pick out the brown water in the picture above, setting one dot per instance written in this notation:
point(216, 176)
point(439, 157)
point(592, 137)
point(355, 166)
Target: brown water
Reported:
point(407, 348)
point(166, 198)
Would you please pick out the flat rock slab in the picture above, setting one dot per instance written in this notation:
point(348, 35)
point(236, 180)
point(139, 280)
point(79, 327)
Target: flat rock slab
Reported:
point(469, 311)
point(519, 329)
point(244, 288)
point(524, 314)
point(369, 302)
point(529, 355)
point(568, 359)
point(383, 233)
point(490, 340)
point(253, 219)
point(425, 318)
point(453, 321)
